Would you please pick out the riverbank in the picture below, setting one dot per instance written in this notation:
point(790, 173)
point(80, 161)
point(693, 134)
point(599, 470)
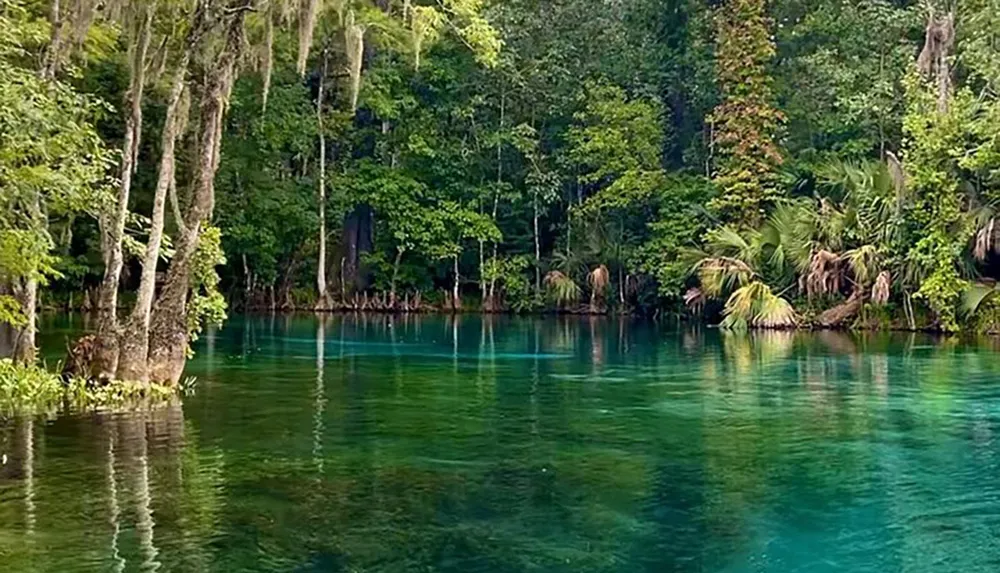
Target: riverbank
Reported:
point(851, 313)
point(866, 318)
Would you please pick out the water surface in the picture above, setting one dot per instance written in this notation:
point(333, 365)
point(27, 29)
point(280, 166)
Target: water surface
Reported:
point(520, 445)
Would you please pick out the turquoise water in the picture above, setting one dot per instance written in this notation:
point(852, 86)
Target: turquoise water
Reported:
point(506, 445)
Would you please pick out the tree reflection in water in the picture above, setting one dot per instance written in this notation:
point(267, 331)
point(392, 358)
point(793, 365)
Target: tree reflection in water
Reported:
point(420, 443)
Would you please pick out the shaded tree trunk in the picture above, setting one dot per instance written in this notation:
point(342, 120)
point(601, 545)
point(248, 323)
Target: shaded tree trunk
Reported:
point(456, 299)
point(53, 55)
point(168, 336)
point(113, 229)
point(287, 280)
point(621, 288)
point(395, 276)
point(490, 304)
point(482, 272)
point(538, 248)
point(134, 344)
point(933, 61)
point(323, 300)
point(357, 239)
point(25, 292)
point(23, 349)
point(8, 334)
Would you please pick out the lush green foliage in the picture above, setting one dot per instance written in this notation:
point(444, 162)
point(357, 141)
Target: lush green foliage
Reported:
point(33, 389)
point(745, 124)
point(53, 164)
point(206, 306)
point(764, 164)
point(27, 387)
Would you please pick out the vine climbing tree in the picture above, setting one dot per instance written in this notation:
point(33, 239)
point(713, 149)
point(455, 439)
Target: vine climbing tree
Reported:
point(745, 126)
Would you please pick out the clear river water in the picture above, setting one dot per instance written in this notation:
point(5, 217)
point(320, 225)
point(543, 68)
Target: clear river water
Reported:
point(427, 444)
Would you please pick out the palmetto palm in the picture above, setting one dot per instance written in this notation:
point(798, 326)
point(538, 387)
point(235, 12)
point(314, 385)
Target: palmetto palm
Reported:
point(872, 201)
point(731, 266)
point(563, 288)
point(844, 236)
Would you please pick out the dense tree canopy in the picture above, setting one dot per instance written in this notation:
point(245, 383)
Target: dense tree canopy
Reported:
point(756, 163)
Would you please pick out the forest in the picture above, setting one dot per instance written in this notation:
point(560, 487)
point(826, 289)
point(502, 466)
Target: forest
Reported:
point(748, 163)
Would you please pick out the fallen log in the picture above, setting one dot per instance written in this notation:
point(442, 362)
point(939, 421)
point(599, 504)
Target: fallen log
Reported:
point(838, 315)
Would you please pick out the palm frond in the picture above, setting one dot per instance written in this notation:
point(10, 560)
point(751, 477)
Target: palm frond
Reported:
point(728, 242)
point(598, 279)
point(788, 236)
point(975, 295)
point(775, 312)
point(569, 263)
point(863, 262)
point(872, 198)
point(718, 275)
point(823, 276)
point(563, 288)
point(694, 300)
point(845, 177)
point(882, 288)
point(755, 304)
point(984, 242)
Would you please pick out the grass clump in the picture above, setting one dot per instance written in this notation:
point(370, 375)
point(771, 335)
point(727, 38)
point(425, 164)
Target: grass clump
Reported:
point(82, 394)
point(33, 389)
point(28, 387)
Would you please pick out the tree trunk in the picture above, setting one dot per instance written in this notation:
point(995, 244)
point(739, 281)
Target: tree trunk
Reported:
point(8, 334)
point(134, 344)
point(106, 357)
point(267, 66)
point(493, 293)
point(53, 55)
point(323, 301)
point(343, 285)
point(26, 293)
point(356, 239)
point(168, 336)
point(621, 287)
point(395, 275)
point(908, 311)
point(569, 227)
point(490, 302)
point(168, 329)
point(482, 273)
point(538, 249)
point(248, 292)
point(287, 280)
point(456, 301)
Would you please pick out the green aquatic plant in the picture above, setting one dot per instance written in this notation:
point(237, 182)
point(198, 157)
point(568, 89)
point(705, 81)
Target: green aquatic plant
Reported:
point(81, 394)
point(28, 388)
